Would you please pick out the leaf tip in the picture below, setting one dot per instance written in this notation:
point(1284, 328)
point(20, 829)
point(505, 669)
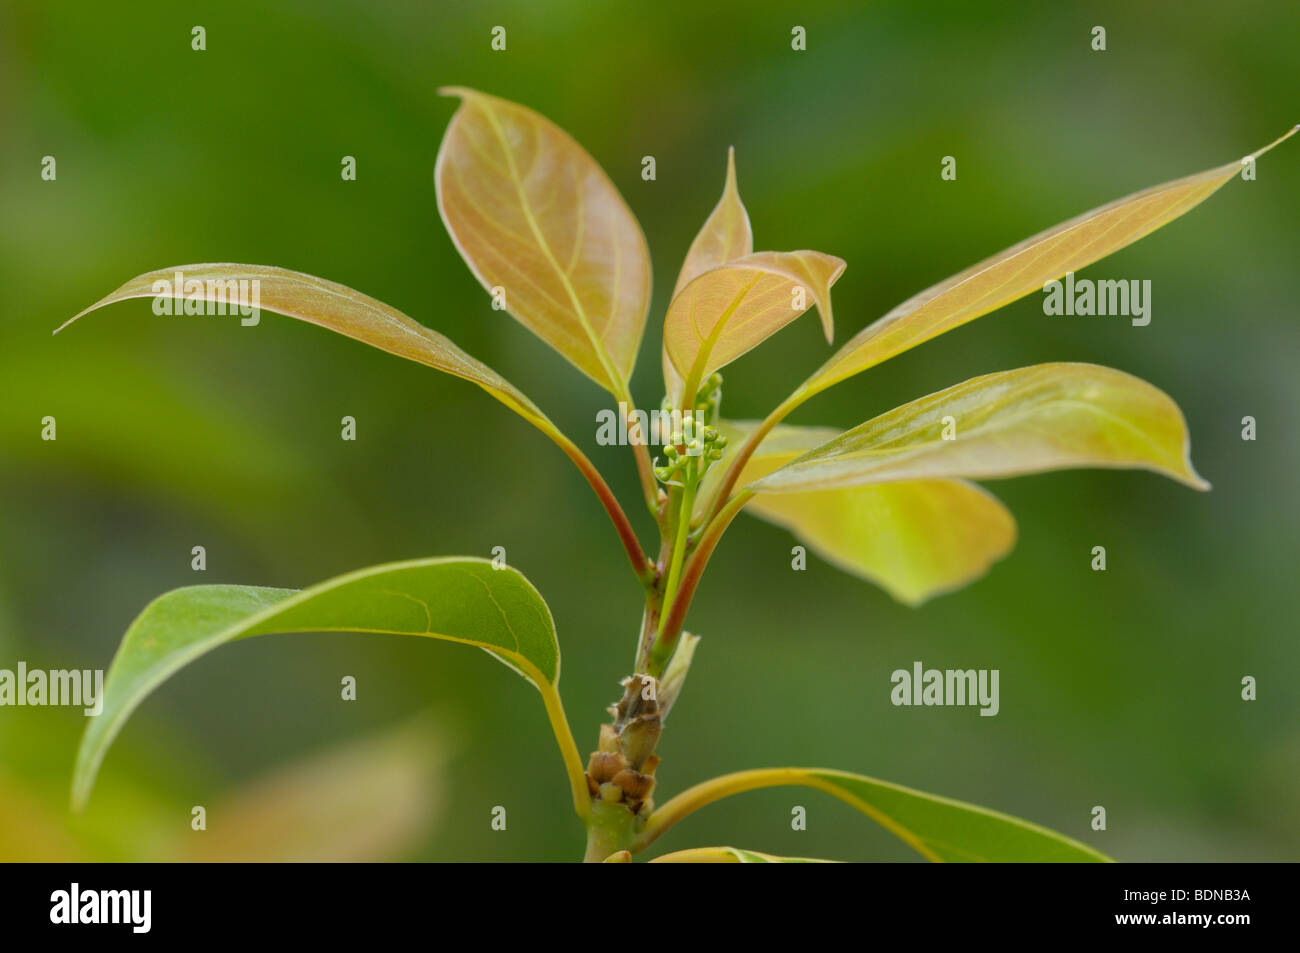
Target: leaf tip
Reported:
point(65, 324)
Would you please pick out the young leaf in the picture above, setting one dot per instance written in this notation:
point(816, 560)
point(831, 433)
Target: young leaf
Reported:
point(365, 319)
point(458, 599)
point(730, 855)
point(1045, 417)
point(533, 215)
point(725, 236)
point(938, 828)
point(732, 308)
point(915, 539)
point(329, 305)
point(1019, 270)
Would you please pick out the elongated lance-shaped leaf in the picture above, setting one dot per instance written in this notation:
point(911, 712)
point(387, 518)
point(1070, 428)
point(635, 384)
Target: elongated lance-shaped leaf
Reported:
point(725, 236)
point(362, 318)
point(938, 828)
point(328, 304)
point(460, 599)
point(535, 216)
point(1045, 417)
point(914, 538)
point(730, 855)
point(732, 308)
point(1021, 269)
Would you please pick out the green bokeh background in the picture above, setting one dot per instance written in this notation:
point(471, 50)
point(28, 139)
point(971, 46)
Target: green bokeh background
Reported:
point(1119, 689)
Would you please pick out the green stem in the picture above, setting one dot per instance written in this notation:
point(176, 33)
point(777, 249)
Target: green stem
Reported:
point(610, 828)
point(683, 531)
point(674, 616)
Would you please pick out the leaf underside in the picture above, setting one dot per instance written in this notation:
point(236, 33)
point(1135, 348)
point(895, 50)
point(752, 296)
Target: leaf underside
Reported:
point(914, 538)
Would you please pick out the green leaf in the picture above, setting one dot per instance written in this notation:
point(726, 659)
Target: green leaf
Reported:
point(915, 538)
point(724, 237)
point(1021, 269)
point(460, 599)
point(332, 306)
point(730, 309)
point(1030, 420)
point(730, 855)
point(532, 213)
point(938, 828)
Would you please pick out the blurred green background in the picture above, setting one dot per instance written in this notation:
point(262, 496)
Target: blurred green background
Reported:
point(1119, 689)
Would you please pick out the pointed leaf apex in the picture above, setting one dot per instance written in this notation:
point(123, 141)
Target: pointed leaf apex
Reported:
point(1276, 142)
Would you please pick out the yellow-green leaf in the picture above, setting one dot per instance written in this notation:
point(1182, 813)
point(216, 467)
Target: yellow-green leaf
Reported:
point(1045, 417)
point(330, 305)
point(732, 308)
point(535, 216)
point(915, 539)
point(938, 828)
point(1019, 270)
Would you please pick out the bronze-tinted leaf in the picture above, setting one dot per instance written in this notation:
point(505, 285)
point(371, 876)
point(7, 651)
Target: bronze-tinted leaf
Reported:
point(1019, 270)
point(724, 237)
point(732, 308)
point(329, 305)
point(534, 215)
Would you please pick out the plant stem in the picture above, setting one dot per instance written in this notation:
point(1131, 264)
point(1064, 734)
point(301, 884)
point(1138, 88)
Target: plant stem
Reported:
point(644, 468)
point(682, 529)
point(675, 615)
point(568, 746)
point(741, 457)
point(701, 795)
point(610, 828)
point(641, 564)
